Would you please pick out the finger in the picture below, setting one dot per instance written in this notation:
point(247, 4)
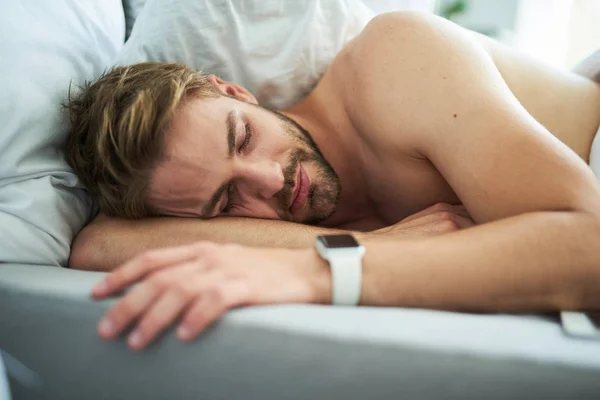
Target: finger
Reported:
point(414, 227)
point(463, 222)
point(160, 315)
point(427, 219)
point(418, 215)
point(210, 305)
point(438, 208)
point(119, 316)
point(440, 222)
point(462, 219)
point(178, 287)
point(461, 210)
point(145, 264)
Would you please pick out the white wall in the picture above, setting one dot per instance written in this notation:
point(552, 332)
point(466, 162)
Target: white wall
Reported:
point(584, 31)
point(558, 32)
point(495, 18)
point(542, 29)
point(487, 13)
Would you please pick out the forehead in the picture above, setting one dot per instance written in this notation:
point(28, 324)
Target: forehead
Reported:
point(197, 120)
point(194, 156)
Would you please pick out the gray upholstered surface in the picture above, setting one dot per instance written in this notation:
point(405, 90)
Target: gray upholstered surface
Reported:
point(4, 392)
point(286, 352)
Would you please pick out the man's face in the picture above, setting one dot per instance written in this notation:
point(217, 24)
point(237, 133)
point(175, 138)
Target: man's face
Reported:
point(228, 157)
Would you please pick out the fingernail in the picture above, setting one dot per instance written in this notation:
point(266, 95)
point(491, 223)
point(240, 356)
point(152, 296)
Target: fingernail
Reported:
point(135, 339)
point(106, 327)
point(183, 333)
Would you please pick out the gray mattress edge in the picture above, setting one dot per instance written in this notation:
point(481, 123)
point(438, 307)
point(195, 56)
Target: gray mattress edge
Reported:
point(48, 326)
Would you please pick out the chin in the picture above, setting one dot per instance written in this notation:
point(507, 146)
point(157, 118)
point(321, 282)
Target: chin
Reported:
point(320, 211)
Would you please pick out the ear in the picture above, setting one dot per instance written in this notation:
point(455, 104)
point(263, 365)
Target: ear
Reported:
point(233, 90)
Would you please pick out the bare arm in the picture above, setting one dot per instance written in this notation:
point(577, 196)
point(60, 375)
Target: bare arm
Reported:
point(537, 200)
point(108, 242)
point(544, 261)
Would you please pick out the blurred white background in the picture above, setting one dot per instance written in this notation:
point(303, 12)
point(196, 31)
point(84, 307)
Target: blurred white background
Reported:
point(558, 32)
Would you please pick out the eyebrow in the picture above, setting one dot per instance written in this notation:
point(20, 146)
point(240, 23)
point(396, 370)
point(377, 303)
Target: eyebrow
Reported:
point(231, 119)
point(209, 208)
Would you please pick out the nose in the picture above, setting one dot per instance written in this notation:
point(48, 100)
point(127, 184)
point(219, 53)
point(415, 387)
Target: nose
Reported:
point(264, 178)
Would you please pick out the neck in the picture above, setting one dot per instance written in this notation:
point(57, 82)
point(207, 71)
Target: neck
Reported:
point(337, 139)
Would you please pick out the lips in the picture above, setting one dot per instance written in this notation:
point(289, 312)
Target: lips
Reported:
point(300, 192)
point(296, 185)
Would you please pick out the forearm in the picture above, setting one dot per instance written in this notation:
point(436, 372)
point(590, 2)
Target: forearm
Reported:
point(108, 242)
point(536, 261)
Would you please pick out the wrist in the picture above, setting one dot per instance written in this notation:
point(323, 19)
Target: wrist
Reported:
point(364, 238)
point(318, 274)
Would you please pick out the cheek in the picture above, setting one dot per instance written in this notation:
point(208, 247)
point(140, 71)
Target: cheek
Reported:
point(254, 208)
point(268, 146)
point(275, 140)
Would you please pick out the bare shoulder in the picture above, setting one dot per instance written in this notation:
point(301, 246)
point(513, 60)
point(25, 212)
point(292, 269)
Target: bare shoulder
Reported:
point(358, 69)
point(387, 25)
point(413, 37)
point(410, 73)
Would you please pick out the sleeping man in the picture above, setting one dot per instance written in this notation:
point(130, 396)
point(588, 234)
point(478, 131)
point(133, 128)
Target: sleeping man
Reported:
point(457, 166)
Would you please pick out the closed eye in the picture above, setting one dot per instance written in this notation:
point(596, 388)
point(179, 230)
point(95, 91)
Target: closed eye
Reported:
point(230, 188)
point(230, 202)
point(248, 137)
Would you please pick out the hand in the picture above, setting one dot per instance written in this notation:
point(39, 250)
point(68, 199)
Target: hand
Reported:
point(200, 282)
point(436, 220)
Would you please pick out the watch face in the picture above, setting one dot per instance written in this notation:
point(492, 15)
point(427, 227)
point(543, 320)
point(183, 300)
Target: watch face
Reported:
point(338, 241)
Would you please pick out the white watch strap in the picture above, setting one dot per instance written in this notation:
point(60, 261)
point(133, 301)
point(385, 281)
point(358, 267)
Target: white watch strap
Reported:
point(346, 277)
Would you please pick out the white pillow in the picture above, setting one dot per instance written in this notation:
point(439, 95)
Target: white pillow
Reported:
point(44, 46)
point(278, 49)
point(132, 9)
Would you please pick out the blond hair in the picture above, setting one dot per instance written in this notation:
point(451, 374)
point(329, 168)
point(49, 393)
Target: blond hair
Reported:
point(118, 126)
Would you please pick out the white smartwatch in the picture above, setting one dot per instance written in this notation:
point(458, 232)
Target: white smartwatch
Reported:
point(344, 255)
